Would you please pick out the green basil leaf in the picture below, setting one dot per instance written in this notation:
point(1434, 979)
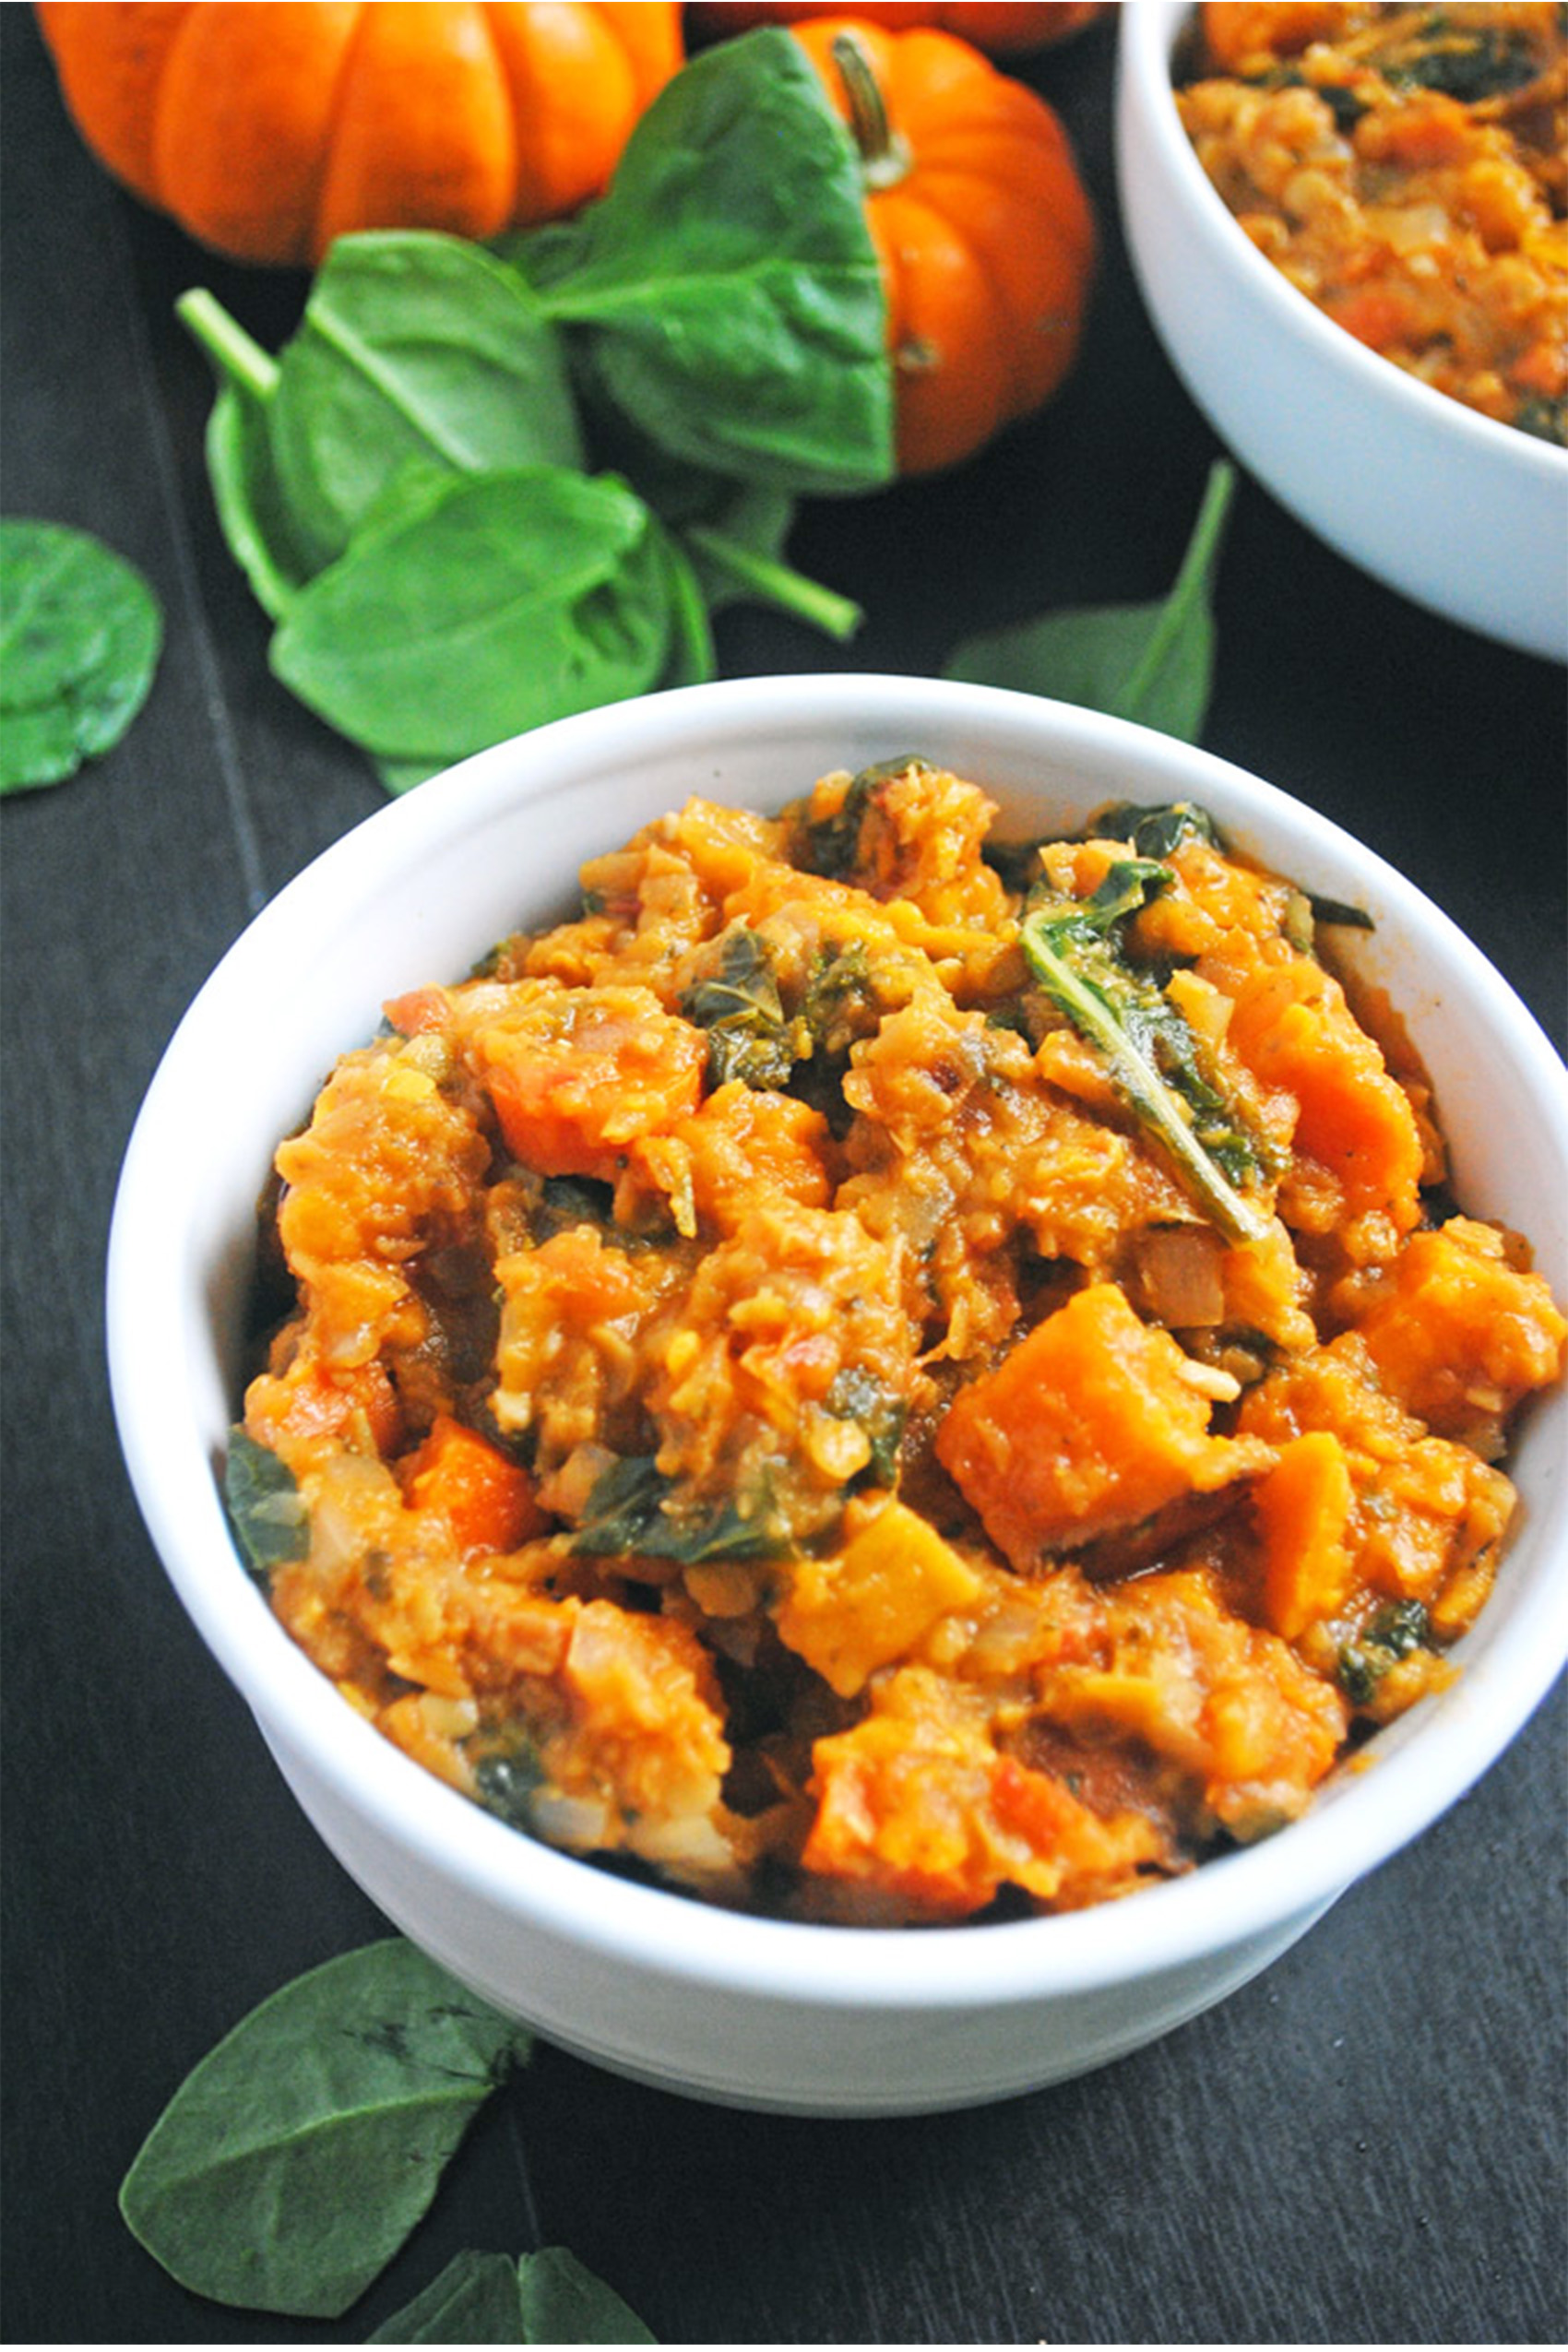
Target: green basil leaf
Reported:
point(293, 2163)
point(265, 1508)
point(474, 2301)
point(80, 632)
point(726, 284)
point(563, 2303)
point(484, 606)
point(413, 345)
point(1150, 663)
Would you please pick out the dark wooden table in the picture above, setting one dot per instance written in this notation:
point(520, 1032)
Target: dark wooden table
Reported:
point(1365, 2144)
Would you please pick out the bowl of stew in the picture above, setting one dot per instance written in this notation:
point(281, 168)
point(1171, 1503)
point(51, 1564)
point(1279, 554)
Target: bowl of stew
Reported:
point(1347, 225)
point(863, 1375)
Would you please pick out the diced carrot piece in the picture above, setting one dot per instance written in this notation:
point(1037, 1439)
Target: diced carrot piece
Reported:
point(311, 1399)
point(1375, 315)
point(487, 1500)
point(1089, 1424)
point(1303, 1506)
point(421, 1010)
point(894, 1579)
point(579, 1076)
point(1434, 128)
point(1294, 1030)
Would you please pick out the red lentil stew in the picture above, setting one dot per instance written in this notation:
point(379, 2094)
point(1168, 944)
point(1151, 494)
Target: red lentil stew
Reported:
point(1406, 167)
point(884, 1377)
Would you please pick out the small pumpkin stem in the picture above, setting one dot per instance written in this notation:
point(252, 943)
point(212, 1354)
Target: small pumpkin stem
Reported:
point(886, 154)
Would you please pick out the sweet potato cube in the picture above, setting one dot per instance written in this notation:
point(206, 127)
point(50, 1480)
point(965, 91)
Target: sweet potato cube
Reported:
point(872, 1601)
point(1303, 1506)
point(1090, 1424)
point(1296, 1033)
point(1460, 1332)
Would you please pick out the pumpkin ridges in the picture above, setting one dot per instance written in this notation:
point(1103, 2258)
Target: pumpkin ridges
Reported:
point(569, 79)
point(242, 117)
point(952, 308)
point(1035, 291)
point(651, 39)
point(110, 85)
point(423, 123)
point(227, 114)
point(1000, 206)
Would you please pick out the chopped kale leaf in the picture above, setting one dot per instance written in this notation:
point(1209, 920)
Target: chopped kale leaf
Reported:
point(267, 1511)
point(1393, 1633)
point(856, 1394)
point(749, 1036)
point(634, 1508)
point(1153, 830)
point(1075, 952)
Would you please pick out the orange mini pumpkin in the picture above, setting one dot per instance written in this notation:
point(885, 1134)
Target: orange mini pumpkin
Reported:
point(1002, 27)
point(268, 130)
point(980, 224)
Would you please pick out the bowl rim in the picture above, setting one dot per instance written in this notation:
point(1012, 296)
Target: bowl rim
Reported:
point(1148, 33)
point(152, 1358)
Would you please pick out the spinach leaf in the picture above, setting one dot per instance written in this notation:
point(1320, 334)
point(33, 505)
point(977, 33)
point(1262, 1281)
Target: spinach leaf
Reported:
point(546, 2298)
point(1149, 663)
point(481, 606)
point(726, 286)
point(251, 513)
point(80, 632)
point(265, 1508)
point(563, 2303)
point(252, 510)
point(1151, 1053)
point(413, 345)
point(473, 2300)
point(294, 2160)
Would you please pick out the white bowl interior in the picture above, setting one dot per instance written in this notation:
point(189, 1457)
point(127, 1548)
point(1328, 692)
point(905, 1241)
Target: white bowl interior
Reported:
point(416, 894)
point(1466, 517)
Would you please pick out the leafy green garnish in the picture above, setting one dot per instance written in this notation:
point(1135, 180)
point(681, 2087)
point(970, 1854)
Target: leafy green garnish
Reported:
point(413, 346)
point(80, 632)
point(546, 2298)
point(266, 1510)
point(507, 1773)
point(1152, 830)
point(738, 1005)
point(479, 607)
point(1153, 1056)
point(635, 1509)
point(736, 311)
point(831, 845)
point(408, 485)
point(294, 2160)
point(1149, 663)
point(1394, 1632)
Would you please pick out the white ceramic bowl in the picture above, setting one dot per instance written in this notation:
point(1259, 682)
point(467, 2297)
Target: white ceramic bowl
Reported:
point(1467, 516)
point(745, 2009)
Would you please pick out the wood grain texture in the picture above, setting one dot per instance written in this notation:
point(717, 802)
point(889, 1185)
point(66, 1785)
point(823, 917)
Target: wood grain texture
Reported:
point(1367, 2145)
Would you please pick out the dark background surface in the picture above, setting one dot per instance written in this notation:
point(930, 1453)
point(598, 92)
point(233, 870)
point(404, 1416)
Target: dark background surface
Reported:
point(1365, 2144)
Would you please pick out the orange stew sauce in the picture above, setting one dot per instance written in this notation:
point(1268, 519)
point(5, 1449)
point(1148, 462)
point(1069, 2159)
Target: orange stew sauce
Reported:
point(758, 1403)
point(1407, 169)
